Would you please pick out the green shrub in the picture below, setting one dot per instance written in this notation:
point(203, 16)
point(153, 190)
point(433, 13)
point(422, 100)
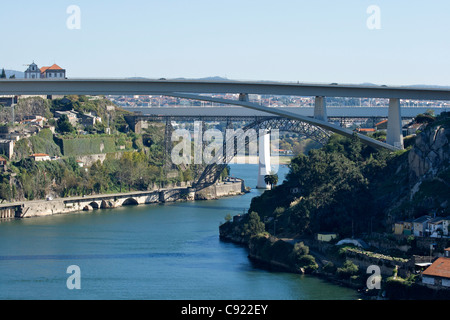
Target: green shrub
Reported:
point(348, 270)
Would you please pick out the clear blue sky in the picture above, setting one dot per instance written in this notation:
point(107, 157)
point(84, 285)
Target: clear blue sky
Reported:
point(308, 41)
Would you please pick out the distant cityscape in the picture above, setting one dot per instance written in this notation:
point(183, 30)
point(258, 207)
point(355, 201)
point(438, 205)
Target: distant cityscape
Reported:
point(149, 101)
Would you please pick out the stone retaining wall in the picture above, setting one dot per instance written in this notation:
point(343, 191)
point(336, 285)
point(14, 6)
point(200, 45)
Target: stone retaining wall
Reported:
point(74, 204)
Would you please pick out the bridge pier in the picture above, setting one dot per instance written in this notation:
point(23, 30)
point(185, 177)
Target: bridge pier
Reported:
point(320, 109)
point(394, 135)
point(264, 159)
point(243, 97)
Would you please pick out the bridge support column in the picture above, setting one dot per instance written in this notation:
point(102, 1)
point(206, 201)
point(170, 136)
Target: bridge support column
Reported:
point(264, 159)
point(394, 135)
point(243, 97)
point(320, 109)
point(167, 145)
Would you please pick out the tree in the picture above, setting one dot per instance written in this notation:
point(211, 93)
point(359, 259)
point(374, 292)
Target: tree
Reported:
point(271, 179)
point(254, 225)
point(3, 75)
point(347, 270)
point(63, 124)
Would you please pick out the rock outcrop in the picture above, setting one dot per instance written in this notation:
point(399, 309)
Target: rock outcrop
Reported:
point(429, 169)
point(430, 153)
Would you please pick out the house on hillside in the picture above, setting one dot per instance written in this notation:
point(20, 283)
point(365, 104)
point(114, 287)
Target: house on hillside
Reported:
point(412, 128)
point(32, 72)
point(365, 130)
point(34, 120)
point(72, 115)
point(52, 72)
point(89, 119)
point(403, 227)
point(326, 236)
point(420, 225)
point(40, 157)
point(438, 273)
point(381, 126)
point(438, 227)
point(7, 147)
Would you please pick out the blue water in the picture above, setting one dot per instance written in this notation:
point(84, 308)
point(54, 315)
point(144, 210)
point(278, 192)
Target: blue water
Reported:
point(164, 252)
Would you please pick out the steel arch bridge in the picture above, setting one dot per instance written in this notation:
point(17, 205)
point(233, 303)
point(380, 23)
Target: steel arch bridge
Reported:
point(230, 149)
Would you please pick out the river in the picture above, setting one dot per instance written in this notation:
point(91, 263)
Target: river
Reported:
point(150, 252)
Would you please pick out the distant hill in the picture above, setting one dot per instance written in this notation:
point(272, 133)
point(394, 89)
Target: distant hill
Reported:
point(216, 78)
point(19, 74)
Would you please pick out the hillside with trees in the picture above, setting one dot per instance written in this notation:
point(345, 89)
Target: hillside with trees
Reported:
point(349, 188)
point(132, 162)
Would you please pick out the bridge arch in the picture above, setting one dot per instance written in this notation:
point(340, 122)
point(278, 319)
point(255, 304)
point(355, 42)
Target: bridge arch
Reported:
point(130, 202)
point(213, 170)
point(94, 205)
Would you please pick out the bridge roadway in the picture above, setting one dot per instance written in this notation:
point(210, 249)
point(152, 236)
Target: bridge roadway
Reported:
point(195, 89)
point(167, 87)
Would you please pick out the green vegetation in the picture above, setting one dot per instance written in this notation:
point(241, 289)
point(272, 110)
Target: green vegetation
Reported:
point(88, 144)
point(111, 116)
point(335, 189)
point(133, 161)
point(36, 180)
point(282, 254)
point(297, 144)
point(397, 288)
point(63, 125)
point(348, 270)
point(43, 143)
point(271, 179)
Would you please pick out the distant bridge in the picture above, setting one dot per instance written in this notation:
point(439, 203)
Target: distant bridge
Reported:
point(222, 113)
point(341, 115)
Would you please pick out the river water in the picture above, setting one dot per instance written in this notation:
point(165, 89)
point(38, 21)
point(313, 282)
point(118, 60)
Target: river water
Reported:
point(151, 252)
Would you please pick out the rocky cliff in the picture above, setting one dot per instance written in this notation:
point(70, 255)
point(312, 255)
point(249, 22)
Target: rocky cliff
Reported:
point(430, 154)
point(427, 170)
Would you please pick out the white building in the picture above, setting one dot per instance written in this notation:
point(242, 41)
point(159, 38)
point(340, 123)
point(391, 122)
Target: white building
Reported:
point(33, 72)
point(40, 157)
point(52, 72)
point(438, 227)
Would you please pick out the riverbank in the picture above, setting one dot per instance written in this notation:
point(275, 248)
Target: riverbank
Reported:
point(39, 208)
point(285, 254)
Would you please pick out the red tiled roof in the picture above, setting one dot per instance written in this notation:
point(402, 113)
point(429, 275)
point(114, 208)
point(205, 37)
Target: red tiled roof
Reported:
point(39, 155)
point(366, 129)
point(53, 67)
point(439, 268)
